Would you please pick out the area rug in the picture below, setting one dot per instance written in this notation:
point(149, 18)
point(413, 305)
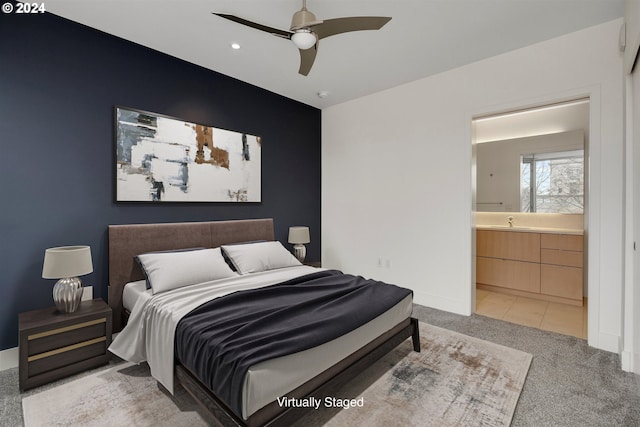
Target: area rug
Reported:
point(456, 380)
point(125, 395)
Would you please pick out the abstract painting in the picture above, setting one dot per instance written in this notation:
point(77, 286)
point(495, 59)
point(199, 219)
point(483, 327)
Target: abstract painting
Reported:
point(164, 159)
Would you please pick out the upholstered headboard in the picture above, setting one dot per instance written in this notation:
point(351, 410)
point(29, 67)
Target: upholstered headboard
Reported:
point(127, 241)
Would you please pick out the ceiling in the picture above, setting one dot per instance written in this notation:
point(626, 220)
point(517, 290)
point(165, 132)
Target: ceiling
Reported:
point(424, 37)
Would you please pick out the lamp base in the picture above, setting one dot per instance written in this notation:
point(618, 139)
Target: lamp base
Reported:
point(67, 294)
point(300, 251)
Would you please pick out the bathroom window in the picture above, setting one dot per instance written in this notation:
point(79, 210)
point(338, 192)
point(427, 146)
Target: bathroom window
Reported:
point(552, 182)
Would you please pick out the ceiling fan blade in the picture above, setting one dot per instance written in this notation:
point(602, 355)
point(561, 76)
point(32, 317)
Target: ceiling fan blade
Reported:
point(307, 58)
point(275, 31)
point(331, 27)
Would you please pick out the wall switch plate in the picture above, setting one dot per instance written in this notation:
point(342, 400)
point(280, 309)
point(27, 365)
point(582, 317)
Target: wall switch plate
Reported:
point(87, 293)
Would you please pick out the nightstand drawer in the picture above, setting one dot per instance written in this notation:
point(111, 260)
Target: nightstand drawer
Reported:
point(64, 356)
point(63, 337)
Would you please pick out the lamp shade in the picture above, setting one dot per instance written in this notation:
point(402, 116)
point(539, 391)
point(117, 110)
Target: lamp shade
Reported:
point(67, 261)
point(299, 235)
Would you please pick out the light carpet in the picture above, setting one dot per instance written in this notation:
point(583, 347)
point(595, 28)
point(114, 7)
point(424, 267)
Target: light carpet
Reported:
point(456, 380)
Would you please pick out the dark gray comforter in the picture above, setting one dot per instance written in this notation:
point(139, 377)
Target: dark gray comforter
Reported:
point(221, 339)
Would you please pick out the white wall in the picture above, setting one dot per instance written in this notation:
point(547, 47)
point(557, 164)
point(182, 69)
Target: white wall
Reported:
point(632, 21)
point(631, 352)
point(397, 173)
point(634, 10)
point(635, 320)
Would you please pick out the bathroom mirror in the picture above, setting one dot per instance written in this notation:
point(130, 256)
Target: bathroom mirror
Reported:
point(543, 173)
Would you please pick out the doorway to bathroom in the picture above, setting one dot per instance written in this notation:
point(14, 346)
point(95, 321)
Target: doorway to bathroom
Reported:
point(530, 195)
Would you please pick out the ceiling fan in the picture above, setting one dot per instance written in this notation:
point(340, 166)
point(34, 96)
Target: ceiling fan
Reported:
point(306, 31)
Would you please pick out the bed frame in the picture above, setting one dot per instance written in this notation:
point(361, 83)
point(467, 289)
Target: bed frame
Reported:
point(127, 241)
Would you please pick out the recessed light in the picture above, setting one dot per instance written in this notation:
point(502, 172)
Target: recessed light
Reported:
point(235, 46)
point(323, 94)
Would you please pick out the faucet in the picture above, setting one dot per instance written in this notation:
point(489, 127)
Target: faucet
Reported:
point(510, 220)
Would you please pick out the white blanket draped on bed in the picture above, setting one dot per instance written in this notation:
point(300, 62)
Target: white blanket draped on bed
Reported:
point(150, 331)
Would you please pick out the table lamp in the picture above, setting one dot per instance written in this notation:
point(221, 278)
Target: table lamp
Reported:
point(299, 236)
point(66, 263)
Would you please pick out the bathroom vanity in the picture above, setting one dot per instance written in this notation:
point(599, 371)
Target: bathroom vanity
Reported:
point(542, 263)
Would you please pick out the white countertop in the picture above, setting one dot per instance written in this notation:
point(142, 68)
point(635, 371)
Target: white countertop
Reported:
point(525, 229)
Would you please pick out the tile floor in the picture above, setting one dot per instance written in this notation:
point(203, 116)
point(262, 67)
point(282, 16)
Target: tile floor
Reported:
point(549, 316)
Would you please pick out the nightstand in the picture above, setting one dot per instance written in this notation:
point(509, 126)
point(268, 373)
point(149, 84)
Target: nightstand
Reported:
point(54, 345)
point(316, 264)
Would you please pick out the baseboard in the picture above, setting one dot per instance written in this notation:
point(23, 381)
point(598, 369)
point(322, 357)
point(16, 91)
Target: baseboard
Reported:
point(630, 362)
point(8, 358)
point(627, 361)
point(607, 342)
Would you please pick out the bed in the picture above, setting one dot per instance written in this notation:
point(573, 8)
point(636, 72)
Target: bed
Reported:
point(307, 373)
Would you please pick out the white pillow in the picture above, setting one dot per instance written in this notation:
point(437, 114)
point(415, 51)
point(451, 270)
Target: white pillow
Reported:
point(171, 270)
point(261, 256)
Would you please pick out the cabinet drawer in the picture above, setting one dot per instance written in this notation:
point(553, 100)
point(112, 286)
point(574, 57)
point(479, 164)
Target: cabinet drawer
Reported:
point(560, 281)
point(508, 245)
point(524, 276)
point(66, 336)
point(567, 242)
point(66, 356)
point(560, 257)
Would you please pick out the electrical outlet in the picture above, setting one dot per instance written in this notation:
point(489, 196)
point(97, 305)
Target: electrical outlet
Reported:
point(87, 293)
point(380, 262)
point(387, 263)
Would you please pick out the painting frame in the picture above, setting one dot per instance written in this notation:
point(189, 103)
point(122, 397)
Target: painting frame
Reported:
point(161, 159)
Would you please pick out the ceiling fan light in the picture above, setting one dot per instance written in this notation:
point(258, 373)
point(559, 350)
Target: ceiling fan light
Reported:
point(304, 39)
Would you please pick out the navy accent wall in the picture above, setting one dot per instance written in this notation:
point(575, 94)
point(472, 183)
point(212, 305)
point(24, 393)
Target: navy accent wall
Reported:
point(59, 82)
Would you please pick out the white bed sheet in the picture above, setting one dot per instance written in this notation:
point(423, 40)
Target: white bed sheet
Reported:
point(131, 292)
point(265, 381)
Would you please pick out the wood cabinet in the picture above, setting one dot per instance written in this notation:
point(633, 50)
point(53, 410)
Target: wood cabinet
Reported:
point(539, 265)
point(508, 245)
point(565, 242)
point(561, 272)
point(54, 345)
point(524, 276)
point(565, 282)
point(560, 257)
